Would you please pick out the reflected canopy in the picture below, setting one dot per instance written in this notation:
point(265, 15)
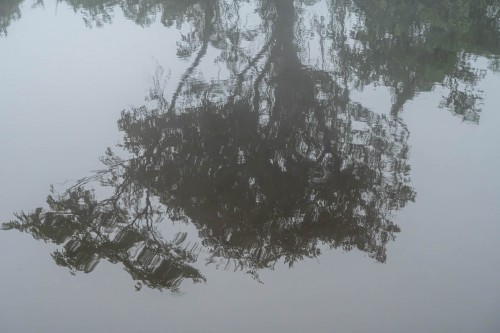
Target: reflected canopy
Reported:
point(275, 161)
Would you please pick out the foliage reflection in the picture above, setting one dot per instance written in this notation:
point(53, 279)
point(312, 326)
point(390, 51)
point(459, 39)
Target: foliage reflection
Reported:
point(275, 161)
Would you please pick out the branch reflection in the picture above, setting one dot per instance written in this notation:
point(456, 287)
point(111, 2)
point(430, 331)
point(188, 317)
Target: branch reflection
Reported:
point(276, 161)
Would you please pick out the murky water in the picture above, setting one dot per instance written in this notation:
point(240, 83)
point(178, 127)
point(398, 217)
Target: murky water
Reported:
point(186, 166)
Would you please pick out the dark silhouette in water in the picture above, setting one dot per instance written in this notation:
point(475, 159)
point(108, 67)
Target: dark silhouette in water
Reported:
point(272, 164)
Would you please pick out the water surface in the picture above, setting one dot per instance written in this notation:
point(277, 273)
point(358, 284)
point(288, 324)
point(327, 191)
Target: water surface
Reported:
point(249, 165)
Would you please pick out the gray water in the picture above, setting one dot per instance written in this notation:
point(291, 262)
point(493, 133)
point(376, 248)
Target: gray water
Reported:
point(321, 166)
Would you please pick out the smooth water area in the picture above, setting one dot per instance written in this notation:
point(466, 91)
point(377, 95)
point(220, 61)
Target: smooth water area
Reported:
point(208, 165)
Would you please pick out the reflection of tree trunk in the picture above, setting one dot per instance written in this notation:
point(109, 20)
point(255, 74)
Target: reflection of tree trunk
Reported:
point(283, 64)
point(251, 63)
point(294, 93)
point(401, 96)
point(207, 32)
point(293, 87)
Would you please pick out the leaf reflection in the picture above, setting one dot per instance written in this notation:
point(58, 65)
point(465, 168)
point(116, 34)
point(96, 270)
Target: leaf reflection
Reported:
point(277, 161)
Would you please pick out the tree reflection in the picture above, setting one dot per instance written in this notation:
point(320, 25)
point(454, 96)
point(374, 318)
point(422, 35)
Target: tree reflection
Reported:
point(412, 45)
point(409, 46)
point(276, 161)
point(9, 11)
point(112, 229)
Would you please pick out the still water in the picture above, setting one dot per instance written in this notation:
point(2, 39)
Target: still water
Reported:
point(271, 165)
